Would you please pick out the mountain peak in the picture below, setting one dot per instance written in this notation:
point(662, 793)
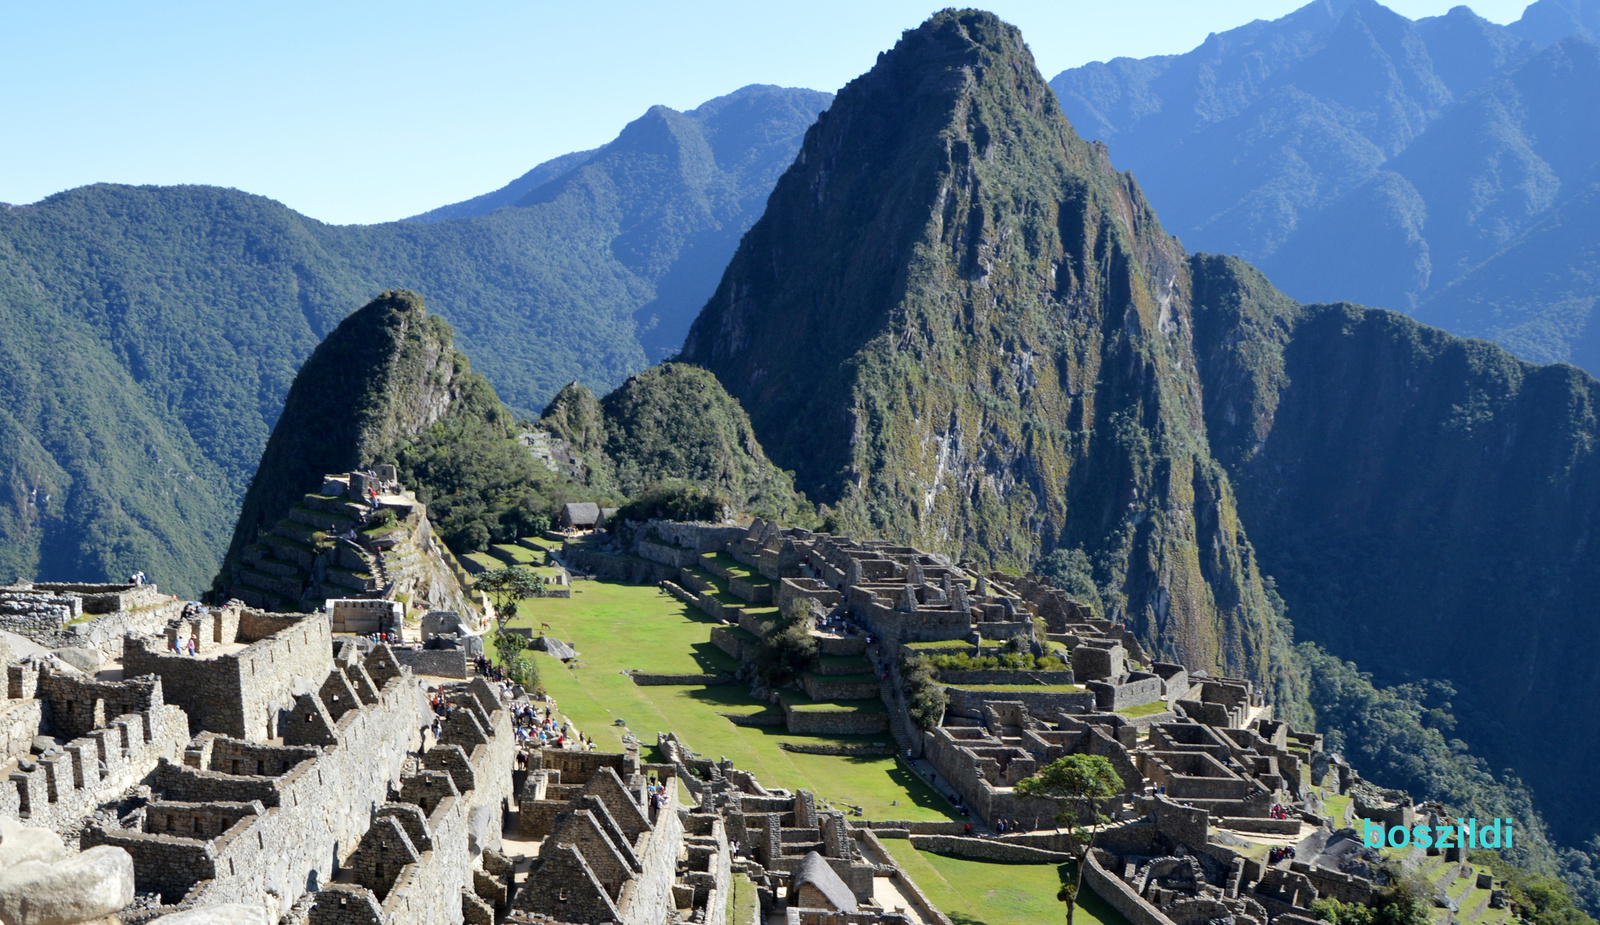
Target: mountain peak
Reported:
point(950, 322)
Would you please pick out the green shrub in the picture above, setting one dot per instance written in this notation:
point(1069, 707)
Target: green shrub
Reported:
point(785, 653)
point(674, 499)
point(1005, 661)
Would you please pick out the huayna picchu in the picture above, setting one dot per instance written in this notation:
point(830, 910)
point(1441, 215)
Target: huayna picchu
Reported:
point(971, 531)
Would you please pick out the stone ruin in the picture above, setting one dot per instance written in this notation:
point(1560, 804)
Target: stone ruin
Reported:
point(268, 774)
point(323, 555)
point(1215, 789)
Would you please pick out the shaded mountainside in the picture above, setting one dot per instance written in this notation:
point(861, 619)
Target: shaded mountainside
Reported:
point(673, 422)
point(959, 326)
point(1427, 505)
point(385, 375)
point(167, 323)
point(1352, 153)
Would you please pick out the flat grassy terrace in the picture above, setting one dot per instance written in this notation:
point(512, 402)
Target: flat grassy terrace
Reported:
point(1145, 709)
point(989, 893)
point(618, 627)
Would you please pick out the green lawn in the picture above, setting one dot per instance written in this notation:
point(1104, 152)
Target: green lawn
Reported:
point(1334, 804)
point(484, 559)
point(743, 903)
point(987, 893)
point(738, 569)
point(517, 555)
point(1146, 709)
point(617, 627)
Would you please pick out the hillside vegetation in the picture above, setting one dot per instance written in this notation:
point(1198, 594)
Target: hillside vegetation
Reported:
point(674, 423)
point(962, 329)
point(167, 323)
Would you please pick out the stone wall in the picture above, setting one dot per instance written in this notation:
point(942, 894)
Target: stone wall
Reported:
point(700, 537)
point(240, 694)
point(666, 680)
point(19, 723)
point(442, 663)
point(1042, 703)
point(1137, 692)
point(1005, 676)
point(840, 687)
point(452, 837)
point(1118, 894)
point(314, 815)
point(836, 722)
point(629, 569)
point(671, 556)
point(99, 764)
point(987, 849)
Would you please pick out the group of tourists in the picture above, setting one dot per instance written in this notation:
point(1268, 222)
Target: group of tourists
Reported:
point(1285, 852)
point(539, 727)
point(658, 795)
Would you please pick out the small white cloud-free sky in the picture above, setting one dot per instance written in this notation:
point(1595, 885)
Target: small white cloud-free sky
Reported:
point(371, 111)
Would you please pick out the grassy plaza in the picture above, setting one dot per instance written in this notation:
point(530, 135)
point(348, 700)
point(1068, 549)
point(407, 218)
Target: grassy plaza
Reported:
point(618, 627)
point(991, 893)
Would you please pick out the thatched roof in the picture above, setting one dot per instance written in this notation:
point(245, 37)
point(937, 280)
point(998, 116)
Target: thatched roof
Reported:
point(814, 870)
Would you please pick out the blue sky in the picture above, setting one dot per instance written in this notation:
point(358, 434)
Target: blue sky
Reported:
point(367, 112)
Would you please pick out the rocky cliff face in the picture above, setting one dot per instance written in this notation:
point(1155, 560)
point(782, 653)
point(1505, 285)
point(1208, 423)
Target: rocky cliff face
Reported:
point(1426, 504)
point(960, 326)
point(386, 373)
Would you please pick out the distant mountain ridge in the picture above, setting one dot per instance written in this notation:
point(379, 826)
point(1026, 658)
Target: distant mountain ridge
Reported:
point(166, 323)
point(1352, 153)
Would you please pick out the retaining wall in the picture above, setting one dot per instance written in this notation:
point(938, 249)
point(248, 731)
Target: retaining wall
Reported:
point(987, 849)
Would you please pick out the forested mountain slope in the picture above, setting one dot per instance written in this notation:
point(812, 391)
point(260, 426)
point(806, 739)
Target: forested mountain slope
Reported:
point(960, 327)
point(198, 304)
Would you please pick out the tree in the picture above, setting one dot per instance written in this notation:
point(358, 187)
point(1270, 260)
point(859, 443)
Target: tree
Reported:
point(1078, 785)
point(1405, 901)
point(785, 653)
point(519, 666)
point(509, 586)
point(925, 696)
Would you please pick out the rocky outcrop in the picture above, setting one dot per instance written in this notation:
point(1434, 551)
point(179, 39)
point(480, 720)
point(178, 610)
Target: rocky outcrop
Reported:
point(40, 884)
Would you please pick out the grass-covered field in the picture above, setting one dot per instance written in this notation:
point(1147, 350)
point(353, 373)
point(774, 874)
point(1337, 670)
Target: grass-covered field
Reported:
point(1145, 709)
point(619, 627)
point(986, 893)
